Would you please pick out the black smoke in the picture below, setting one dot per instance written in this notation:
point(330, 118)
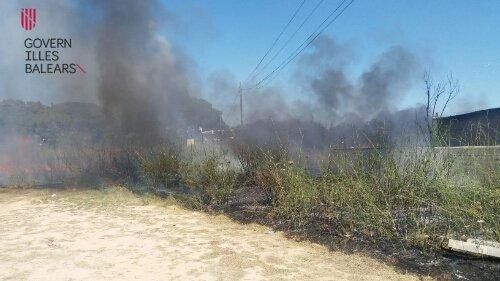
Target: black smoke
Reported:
point(336, 106)
point(324, 75)
point(144, 82)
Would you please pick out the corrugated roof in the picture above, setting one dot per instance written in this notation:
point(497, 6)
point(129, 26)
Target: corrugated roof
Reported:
point(486, 112)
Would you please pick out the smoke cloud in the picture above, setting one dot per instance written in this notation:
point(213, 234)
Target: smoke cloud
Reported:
point(330, 93)
point(145, 86)
point(324, 72)
point(336, 107)
point(144, 83)
point(147, 89)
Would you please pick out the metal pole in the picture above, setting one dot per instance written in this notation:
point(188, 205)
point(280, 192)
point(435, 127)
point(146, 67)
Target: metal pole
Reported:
point(240, 91)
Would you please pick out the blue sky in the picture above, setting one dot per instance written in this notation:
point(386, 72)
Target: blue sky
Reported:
point(459, 37)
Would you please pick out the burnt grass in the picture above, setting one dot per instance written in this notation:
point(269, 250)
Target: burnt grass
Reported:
point(248, 205)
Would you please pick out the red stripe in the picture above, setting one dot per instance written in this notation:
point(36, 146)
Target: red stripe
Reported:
point(28, 18)
point(80, 68)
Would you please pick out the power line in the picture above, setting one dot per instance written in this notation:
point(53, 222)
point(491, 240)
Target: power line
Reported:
point(289, 39)
point(277, 39)
point(301, 48)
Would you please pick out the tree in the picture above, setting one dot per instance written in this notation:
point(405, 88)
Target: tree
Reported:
point(438, 97)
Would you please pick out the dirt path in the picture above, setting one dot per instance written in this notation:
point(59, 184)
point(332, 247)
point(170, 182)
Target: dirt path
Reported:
point(88, 235)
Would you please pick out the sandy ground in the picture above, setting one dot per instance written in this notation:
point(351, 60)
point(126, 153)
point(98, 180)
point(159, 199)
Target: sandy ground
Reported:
point(90, 235)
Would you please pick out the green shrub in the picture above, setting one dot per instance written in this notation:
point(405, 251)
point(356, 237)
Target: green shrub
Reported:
point(409, 195)
point(213, 178)
point(414, 196)
point(162, 168)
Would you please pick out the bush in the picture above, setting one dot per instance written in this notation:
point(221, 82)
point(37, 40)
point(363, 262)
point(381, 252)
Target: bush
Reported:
point(263, 168)
point(163, 168)
point(405, 195)
point(213, 178)
point(413, 196)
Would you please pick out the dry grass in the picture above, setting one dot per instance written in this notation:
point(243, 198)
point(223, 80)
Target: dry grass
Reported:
point(379, 194)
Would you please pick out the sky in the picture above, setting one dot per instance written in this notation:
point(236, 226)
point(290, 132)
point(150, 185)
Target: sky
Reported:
point(450, 37)
point(458, 37)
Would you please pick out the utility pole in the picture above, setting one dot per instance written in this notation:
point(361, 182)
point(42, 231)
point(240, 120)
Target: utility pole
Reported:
point(240, 91)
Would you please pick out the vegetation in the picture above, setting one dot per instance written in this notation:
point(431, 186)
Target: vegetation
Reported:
point(409, 195)
point(376, 194)
point(162, 168)
point(213, 177)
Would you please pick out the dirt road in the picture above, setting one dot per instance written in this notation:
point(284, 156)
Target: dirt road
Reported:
point(91, 235)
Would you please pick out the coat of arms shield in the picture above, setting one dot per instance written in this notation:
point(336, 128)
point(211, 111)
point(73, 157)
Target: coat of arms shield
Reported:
point(28, 18)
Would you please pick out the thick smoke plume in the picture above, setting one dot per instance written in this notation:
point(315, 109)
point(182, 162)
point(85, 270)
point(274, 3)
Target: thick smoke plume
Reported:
point(147, 92)
point(329, 93)
point(325, 75)
point(144, 83)
point(336, 106)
